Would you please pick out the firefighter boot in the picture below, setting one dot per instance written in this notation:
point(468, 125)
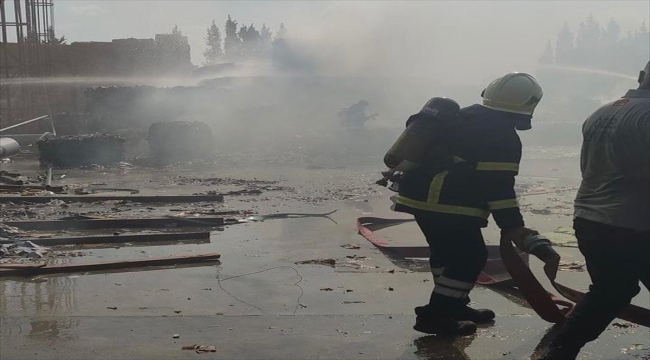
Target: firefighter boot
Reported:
point(466, 313)
point(439, 323)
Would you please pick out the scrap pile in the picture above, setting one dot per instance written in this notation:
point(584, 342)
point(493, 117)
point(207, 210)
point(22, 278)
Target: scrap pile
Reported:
point(81, 150)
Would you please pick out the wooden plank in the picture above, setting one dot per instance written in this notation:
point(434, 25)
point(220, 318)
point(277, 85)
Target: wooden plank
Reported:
point(38, 269)
point(21, 266)
point(10, 180)
point(5, 187)
point(91, 224)
point(120, 238)
point(95, 198)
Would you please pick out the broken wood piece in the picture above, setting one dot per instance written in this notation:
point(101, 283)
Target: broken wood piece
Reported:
point(20, 265)
point(38, 269)
point(96, 198)
point(120, 238)
point(6, 188)
point(87, 224)
point(11, 180)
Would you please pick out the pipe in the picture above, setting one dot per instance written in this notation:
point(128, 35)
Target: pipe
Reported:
point(24, 123)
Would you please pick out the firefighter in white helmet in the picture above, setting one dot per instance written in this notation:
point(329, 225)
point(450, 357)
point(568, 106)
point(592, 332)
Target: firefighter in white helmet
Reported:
point(612, 216)
point(451, 203)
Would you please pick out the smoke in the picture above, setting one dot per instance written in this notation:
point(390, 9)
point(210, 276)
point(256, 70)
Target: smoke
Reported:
point(396, 55)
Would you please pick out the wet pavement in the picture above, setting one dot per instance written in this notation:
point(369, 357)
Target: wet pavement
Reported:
point(258, 303)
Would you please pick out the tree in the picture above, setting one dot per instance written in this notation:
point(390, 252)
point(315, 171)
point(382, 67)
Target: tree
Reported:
point(564, 46)
point(589, 33)
point(282, 32)
point(213, 43)
point(547, 56)
point(250, 40)
point(612, 33)
point(588, 41)
point(265, 37)
point(232, 43)
point(52, 39)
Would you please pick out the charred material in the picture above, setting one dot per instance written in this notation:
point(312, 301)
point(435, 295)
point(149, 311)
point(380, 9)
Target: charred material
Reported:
point(81, 150)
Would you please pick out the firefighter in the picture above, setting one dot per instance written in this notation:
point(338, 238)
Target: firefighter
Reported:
point(612, 216)
point(451, 199)
point(355, 116)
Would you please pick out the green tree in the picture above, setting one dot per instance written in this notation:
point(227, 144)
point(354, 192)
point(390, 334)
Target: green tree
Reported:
point(612, 33)
point(52, 39)
point(213, 43)
point(232, 42)
point(564, 47)
point(250, 40)
point(265, 36)
point(282, 32)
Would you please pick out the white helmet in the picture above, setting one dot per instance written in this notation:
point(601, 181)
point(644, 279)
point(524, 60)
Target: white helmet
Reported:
point(515, 92)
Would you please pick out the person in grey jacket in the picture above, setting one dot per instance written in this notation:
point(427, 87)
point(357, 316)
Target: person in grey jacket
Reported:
point(612, 216)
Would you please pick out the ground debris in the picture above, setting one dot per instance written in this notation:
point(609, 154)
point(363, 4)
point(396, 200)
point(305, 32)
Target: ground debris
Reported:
point(326, 262)
point(351, 246)
point(326, 289)
point(21, 249)
point(200, 348)
point(7, 231)
point(572, 266)
point(623, 325)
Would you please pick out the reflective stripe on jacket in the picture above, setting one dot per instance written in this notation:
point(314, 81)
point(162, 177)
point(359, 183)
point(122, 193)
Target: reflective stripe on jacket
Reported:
point(480, 179)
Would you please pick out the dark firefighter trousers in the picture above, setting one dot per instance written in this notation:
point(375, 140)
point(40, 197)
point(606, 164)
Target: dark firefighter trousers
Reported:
point(617, 259)
point(458, 255)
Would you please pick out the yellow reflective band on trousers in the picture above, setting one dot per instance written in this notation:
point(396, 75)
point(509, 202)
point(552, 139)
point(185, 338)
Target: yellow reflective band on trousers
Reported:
point(503, 204)
point(497, 166)
point(433, 201)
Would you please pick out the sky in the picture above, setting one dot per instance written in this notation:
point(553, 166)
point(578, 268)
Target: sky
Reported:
point(470, 38)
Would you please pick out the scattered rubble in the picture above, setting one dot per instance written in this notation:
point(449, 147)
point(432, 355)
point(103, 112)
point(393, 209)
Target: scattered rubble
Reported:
point(572, 266)
point(326, 262)
point(21, 249)
point(200, 348)
point(351, 246)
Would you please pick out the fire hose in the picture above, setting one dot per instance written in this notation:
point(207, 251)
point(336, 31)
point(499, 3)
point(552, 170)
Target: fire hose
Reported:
point(544, 303)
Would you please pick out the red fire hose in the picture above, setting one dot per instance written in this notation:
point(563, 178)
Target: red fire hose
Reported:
point(543, 302)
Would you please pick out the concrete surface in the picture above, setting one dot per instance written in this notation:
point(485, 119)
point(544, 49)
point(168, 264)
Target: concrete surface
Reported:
point(259, 304)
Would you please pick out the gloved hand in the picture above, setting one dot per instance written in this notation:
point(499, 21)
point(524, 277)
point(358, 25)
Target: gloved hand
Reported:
point(543, 251)
point(517, 234)
point(551, 264)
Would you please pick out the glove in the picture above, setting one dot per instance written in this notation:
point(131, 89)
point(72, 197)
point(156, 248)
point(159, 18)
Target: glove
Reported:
point(538, 246)
point(551, 264)
point(517, 235)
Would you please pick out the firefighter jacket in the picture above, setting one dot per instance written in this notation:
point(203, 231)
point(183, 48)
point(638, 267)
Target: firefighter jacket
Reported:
point(477, 177)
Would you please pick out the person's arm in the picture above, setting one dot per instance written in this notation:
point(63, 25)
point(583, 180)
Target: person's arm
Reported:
point(502, 203)
point(502, 199)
